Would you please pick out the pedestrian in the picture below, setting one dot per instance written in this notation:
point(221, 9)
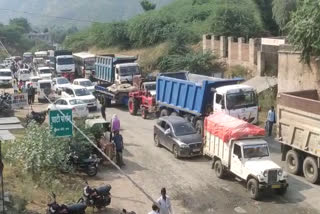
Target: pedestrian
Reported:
point(29, 91)
point(118, 141)
point(103, 111)
point(20, 85)
point(33, 93)
point(271, 119)
point(155, 209)
point(115, 125)
point(164, 203)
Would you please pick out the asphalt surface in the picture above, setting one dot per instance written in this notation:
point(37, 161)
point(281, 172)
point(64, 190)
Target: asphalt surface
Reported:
point(191, 183)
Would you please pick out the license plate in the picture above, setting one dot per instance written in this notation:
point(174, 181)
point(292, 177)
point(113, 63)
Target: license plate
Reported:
point(196, 150)
point(276, 186)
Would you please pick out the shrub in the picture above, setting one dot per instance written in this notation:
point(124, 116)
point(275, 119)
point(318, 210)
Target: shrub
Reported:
point(78, 41)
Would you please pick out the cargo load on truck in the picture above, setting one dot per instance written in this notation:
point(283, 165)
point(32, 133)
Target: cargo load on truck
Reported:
point(298, 131)
point(238, 148)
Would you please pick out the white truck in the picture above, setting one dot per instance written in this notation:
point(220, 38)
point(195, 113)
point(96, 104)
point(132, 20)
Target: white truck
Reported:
point(64, 63)
point(237, 147)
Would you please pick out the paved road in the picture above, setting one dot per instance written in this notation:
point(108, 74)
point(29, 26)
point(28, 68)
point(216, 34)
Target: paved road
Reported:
point(191, 183)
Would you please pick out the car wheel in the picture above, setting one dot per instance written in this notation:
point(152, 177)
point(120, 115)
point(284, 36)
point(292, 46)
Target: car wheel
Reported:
point(157, 141)
point(175, 152)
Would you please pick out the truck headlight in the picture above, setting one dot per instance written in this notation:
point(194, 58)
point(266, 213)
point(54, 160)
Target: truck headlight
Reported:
point(280, 172)
point(265, 173)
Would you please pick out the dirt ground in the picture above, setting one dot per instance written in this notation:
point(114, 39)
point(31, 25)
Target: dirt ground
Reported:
point(191, 183)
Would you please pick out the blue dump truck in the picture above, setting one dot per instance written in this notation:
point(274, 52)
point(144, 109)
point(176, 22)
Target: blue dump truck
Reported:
point(114, 75)
point(199, 96)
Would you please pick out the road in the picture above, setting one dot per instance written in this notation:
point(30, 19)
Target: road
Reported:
point(191, 183)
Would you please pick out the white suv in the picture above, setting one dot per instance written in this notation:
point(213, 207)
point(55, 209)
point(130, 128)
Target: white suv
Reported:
point(81, 93)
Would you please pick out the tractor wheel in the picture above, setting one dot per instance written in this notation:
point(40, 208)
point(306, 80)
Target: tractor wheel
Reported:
point(133, 106)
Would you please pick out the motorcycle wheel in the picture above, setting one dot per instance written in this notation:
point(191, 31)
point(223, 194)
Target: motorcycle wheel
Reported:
point(92, 171)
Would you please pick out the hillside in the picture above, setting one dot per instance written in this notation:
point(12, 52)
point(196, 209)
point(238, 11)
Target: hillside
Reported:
point(102, 11)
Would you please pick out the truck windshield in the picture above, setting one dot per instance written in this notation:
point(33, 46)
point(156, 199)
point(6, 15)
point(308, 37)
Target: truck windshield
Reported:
point(255, 151)
point(81, 92)
point(90, 64)
point(5, 74)
point(129, 70)
point(65, 61)
point(181, 129)
point(241, 100)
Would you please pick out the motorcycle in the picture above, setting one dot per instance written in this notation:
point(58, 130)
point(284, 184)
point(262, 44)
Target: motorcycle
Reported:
point(55, 208)
point(88, 165)
point(39, 117)
point(99, 198)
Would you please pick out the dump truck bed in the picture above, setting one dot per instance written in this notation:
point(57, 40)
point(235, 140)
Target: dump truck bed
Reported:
point(299, 120)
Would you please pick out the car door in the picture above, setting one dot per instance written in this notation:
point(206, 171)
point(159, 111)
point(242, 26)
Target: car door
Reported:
point(161, 130)
point(236, 160)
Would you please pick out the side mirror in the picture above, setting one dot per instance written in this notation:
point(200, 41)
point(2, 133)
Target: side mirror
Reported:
point(167, 132)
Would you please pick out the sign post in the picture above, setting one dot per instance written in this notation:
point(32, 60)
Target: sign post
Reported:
point(59, 123)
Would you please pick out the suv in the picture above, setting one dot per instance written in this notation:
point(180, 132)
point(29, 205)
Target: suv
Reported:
point(81, 93)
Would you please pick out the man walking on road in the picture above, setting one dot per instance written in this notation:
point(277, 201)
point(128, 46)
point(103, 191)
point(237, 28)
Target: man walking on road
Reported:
point(164, 203)
point(271, 119)
point(118, 140)
point(29, 91)
point(155, 209)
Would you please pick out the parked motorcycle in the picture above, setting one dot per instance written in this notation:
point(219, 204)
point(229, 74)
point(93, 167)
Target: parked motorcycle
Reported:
point(97, 198)
point(88, 165)
point(55, 208)
point(39, 117)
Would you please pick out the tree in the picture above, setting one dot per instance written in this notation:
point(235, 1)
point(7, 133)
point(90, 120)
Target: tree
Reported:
point(21, 22)
point(304, 29)
point(281, 10)
point(236, 18)
point(265, 7)
point(147, 5)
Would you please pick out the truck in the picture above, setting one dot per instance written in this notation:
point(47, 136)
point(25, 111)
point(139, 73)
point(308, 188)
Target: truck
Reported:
point(238, 148)
point(199, 96)
point(114, 75)
point(298, 124)
point(64, 63)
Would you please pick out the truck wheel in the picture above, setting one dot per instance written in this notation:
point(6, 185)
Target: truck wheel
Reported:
point(281, 191)
point(144, 113)
point(133, 106)
point(253, 188)
point(218, 169)
point(199, 127)
point(164, 112)
point(293, 162)
point(310, 170)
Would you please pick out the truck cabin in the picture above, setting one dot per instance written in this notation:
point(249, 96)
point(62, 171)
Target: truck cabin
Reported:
point(240, 101)
point(65, 60)
point(248, 149)
point(124, 73)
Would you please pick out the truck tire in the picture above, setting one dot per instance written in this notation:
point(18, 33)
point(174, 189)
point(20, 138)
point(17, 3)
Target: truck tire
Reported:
point(310, 170)
point(199, 127)
point(253, 188)
point(164, 112)
point(133, 106)
point(218, 169)
point(293, 162)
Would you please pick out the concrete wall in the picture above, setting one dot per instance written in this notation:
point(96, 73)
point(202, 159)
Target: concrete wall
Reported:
point(294, 75)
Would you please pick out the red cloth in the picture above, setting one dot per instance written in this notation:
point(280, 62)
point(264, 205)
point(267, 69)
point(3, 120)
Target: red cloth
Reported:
point(227, 127)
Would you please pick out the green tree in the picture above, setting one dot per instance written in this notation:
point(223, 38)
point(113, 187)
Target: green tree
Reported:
point(147, 5)
point(304, 29)
point(265, 7)
point(281, 10)
point(236, 18)
point(21, 22)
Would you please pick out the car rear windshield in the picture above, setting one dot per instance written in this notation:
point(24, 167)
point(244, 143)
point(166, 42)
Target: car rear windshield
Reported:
point(5, 74)
point(86, 83)
point(62, 81)
point(181, 129)
point(45, 85)
point(76, 102)
point(81, 92)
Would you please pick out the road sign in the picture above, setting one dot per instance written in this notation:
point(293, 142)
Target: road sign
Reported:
point(59, 123)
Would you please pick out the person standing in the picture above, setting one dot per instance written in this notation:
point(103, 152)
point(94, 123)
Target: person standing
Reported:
point(29, 91)
point(271, 119)
point(33, 93)
point(103, 111)
point(115, 125)
point(155, 209)
point(118, 141)
point(164, 203)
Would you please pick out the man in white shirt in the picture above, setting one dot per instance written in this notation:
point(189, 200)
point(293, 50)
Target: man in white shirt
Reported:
point(155, 209)
point(164, 203)
point(271, 119)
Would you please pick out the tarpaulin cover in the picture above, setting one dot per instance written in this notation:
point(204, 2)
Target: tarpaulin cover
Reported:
point(227, 127)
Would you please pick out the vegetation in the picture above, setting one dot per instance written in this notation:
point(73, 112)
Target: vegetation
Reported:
point(147, 5)
point(282, 10)
point(304, 29)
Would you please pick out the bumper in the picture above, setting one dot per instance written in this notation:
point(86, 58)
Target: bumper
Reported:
point(187, 152)
point(278, 185)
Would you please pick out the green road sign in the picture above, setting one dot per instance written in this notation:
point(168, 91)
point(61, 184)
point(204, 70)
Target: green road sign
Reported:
point(59, 124)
